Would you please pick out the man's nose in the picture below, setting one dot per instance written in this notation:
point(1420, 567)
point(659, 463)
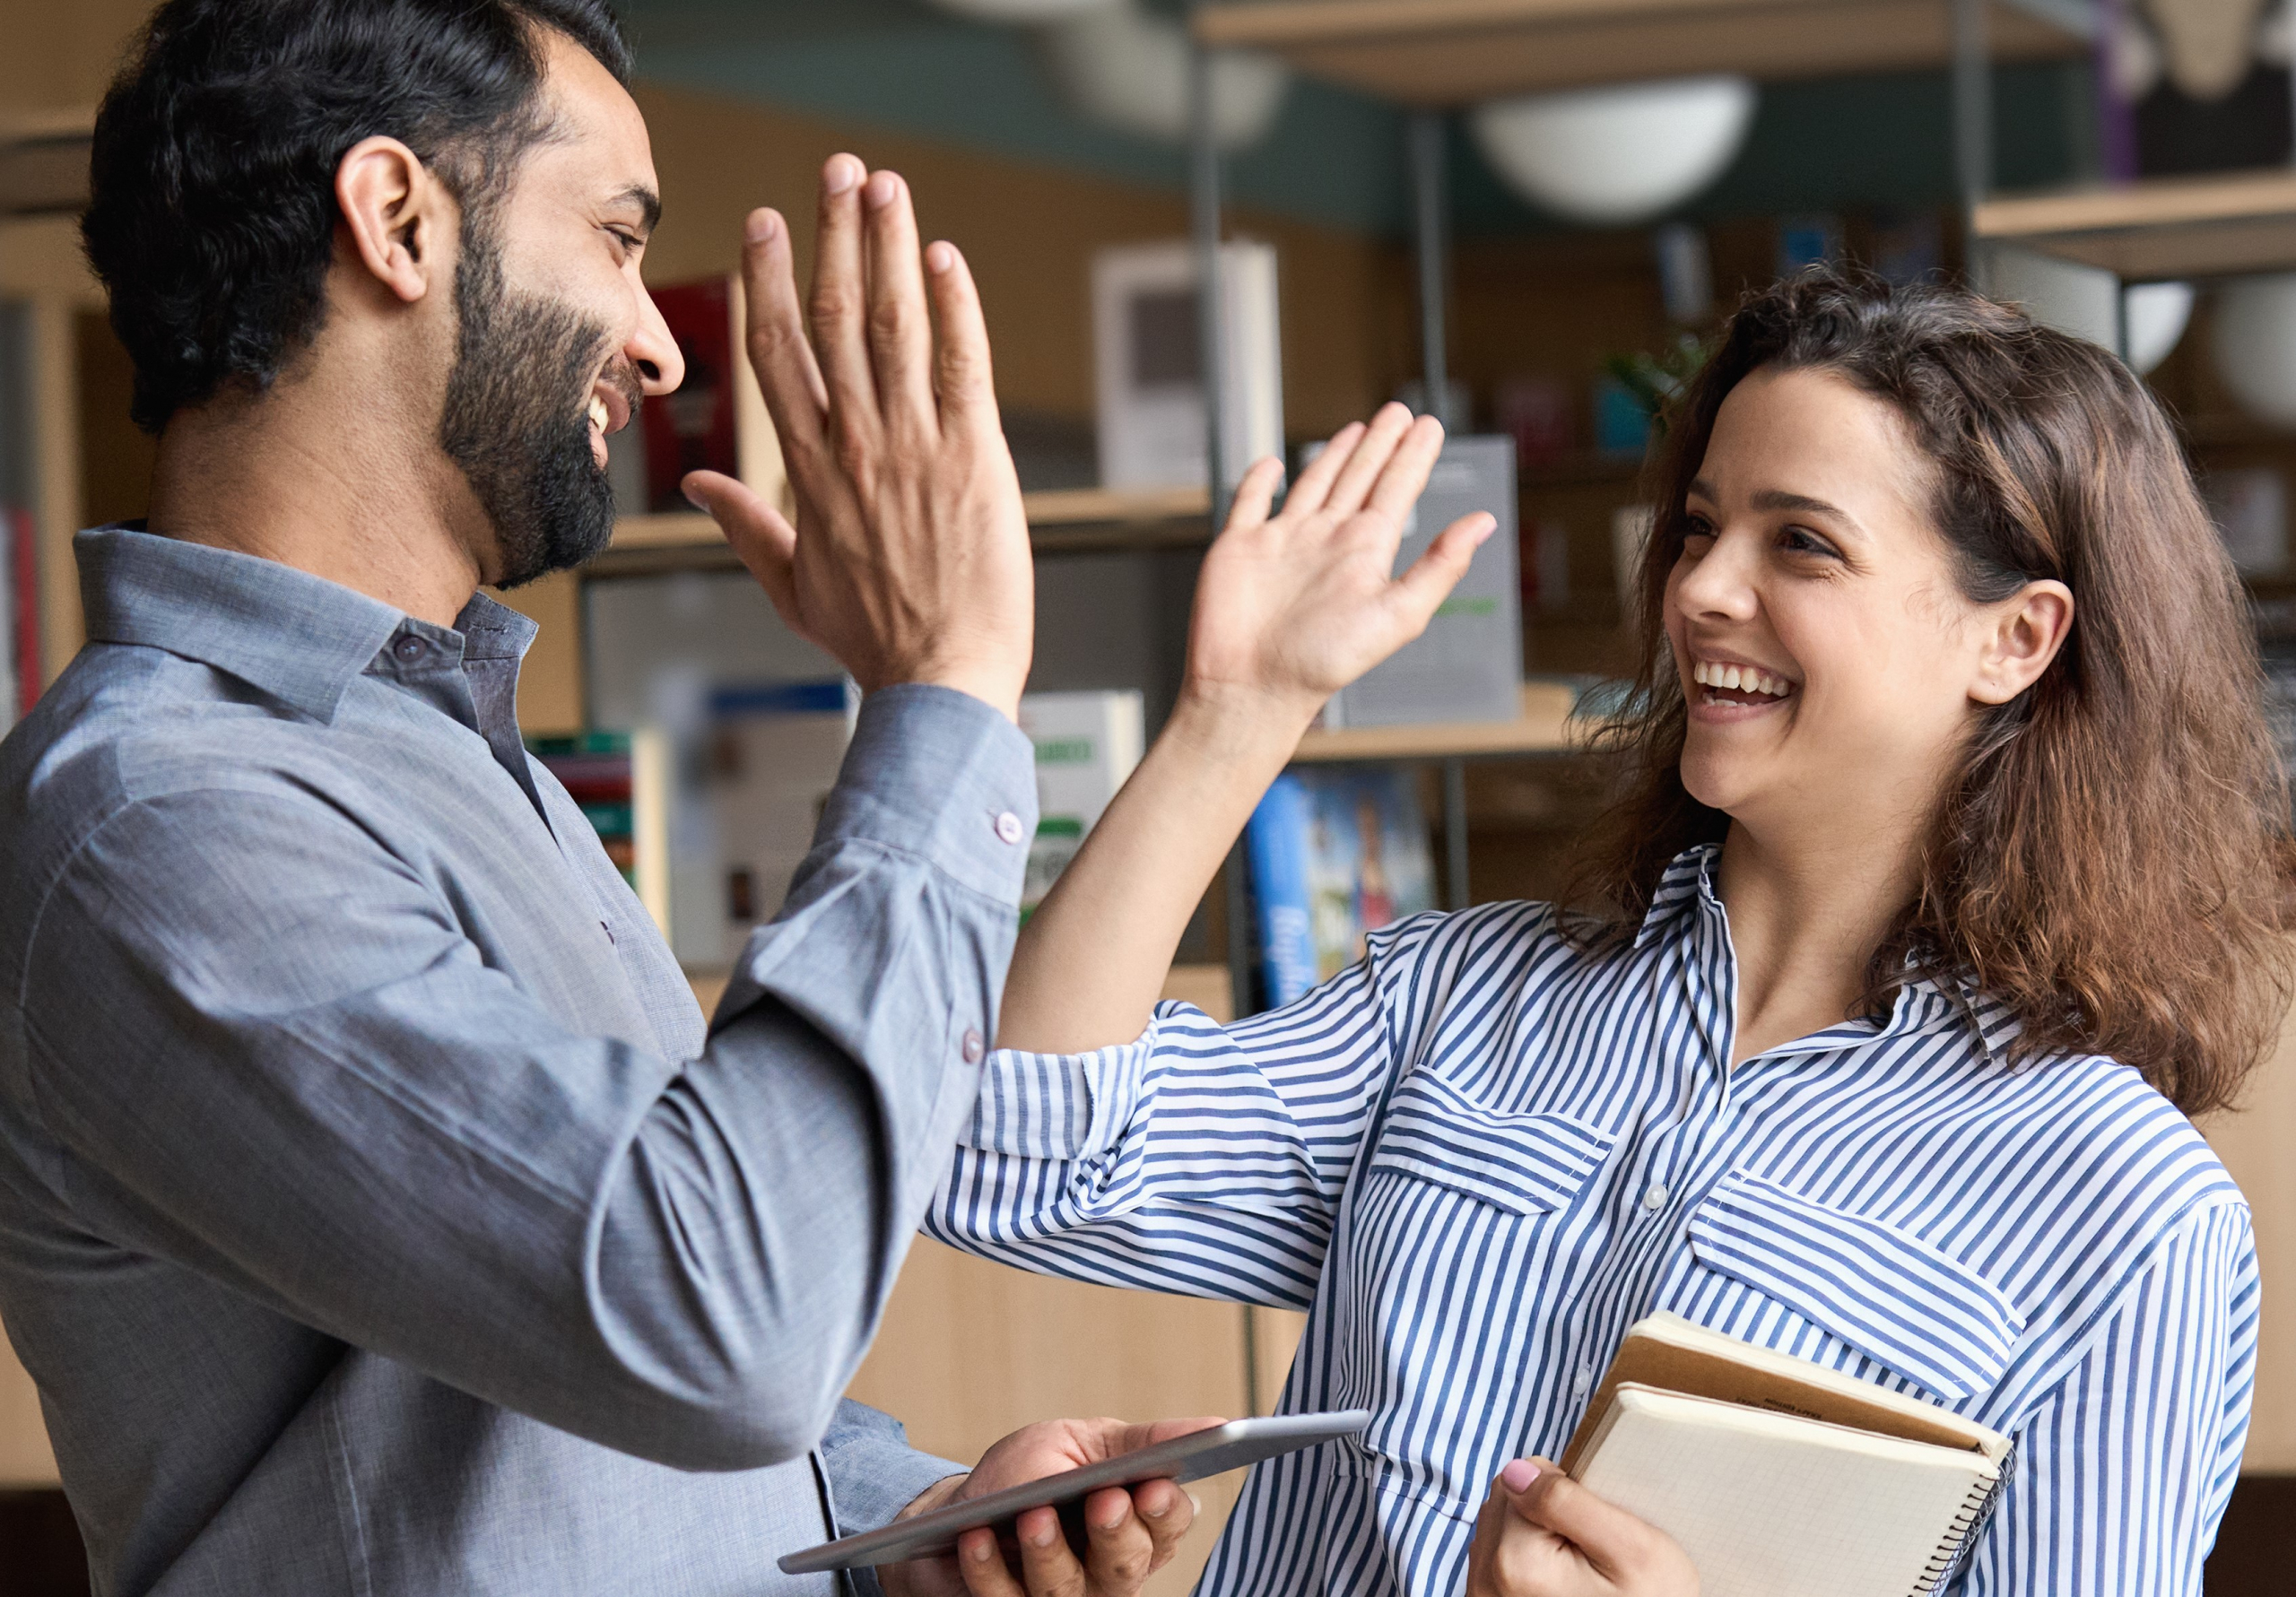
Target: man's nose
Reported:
point(651, 349)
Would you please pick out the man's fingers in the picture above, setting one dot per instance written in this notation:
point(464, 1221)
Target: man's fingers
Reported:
point(1421, 591)
point(1307, 494)
point(840, 296)
point(962, 379)
point(779, 352)
point(767, 543)
point(982, 1564)
point(1118, 1549)
point(1254, 495)
point(1404, 476)
point(900, 338)
point(1168, 1513)
point(1363, 466)
point(1049, 1566)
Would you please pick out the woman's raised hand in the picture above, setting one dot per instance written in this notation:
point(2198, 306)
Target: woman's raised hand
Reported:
point(1542, 1534)
point(1294, 606)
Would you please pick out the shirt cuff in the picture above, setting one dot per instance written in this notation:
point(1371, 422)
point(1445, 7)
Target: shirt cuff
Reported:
point(1059, 1106)
point(873, 1474)
point(937, 773)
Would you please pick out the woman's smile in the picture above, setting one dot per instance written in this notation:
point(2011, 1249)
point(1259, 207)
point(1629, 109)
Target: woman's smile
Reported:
point(1730, 690)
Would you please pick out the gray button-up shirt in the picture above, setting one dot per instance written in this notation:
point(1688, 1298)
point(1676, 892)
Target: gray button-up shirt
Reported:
point(375, 1215)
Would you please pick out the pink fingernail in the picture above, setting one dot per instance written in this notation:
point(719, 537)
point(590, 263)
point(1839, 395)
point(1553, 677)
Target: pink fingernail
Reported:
point(1520, 1474)
point(693, 498)
point(939, 257)
point(1484, 536)
point(883, 186)
point(979, 1548)
point(844, 172)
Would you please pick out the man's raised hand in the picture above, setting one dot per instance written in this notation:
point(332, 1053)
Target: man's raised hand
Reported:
point(909, 560)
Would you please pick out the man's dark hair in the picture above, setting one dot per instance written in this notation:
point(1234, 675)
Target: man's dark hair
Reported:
point(212, 220)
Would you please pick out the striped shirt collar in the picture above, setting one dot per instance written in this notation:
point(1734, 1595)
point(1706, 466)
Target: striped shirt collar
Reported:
point(1685, 906)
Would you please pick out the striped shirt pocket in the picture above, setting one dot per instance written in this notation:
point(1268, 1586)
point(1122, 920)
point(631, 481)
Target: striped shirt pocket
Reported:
point(1523, 1164)
point(1901, 1302)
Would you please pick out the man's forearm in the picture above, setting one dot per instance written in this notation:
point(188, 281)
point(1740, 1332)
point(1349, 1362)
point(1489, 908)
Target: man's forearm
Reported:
point(1093, 957)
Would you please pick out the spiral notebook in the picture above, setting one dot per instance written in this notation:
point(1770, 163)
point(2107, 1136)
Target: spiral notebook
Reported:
point(1778, 1478)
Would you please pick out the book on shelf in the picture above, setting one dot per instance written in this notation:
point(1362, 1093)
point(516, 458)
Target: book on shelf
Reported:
point(715, 421)
point(1468, 664)
point(1086, 744)
point(1148, 363)
point(776, 747)
point(1334, 853)
point(1781, 1478)
point(621, 781)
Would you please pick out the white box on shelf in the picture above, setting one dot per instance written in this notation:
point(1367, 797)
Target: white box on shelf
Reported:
point(1087, 743)
point(1468, 664)
point(1148, 362)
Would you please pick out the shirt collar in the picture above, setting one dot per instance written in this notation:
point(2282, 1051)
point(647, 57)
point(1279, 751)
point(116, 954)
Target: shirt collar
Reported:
point(1688, 881)
point(296, 637)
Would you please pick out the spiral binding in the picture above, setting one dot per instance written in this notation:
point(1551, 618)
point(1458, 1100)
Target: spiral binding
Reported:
point(1974, 1511)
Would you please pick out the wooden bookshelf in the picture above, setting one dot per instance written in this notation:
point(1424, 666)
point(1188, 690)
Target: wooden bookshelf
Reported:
point(1060, 522)
point(2213, 225)
point(1457, 52)
point(1544, 727)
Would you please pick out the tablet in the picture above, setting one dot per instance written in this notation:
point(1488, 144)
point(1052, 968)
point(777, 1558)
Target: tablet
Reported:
point(1191, 1457)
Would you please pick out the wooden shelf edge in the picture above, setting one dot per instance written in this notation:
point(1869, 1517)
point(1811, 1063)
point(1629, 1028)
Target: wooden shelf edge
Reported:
point(2148, 204)
point(1544, 727)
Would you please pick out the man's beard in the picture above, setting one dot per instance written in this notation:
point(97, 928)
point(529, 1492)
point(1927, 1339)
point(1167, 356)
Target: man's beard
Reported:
point(517, 416)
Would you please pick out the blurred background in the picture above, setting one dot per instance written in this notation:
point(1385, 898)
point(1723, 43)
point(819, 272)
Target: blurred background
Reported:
point(1525, 215)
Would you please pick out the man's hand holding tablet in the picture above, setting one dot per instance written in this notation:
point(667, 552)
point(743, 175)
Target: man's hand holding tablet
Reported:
point(1129, 1532)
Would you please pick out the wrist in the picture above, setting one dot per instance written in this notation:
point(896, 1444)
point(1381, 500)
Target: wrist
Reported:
point(939, 1494)
point(1251, 727)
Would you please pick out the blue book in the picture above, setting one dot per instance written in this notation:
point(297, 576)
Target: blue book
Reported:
point(1334, 852)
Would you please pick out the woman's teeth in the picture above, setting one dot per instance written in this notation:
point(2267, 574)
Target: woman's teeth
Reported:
point(1745, 679)
point(600, 417)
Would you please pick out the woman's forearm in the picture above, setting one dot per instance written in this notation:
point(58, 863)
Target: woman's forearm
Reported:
point(1092, 961)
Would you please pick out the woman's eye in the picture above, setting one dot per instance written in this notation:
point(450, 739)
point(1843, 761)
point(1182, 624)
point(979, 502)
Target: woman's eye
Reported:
point(1802, 540)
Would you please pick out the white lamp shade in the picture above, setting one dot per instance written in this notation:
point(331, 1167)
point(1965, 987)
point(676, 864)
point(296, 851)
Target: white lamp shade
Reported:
point(1021, 10)
point(2254, 341)
point(1619, 155)
point(2156, 315)
point(1127, 70)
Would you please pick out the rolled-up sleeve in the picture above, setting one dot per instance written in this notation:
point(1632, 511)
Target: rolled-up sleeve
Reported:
point(263, 1047)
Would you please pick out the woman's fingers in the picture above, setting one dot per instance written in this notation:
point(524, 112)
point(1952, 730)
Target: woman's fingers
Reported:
point(1421, 591)
point(962, 379)
point(1254, 495)
point(1628, 1552)
point(1368, 459)
point(779, 352)
point(900, 336)
point(1314, 486)
point(1403, 476)
point(839, 305)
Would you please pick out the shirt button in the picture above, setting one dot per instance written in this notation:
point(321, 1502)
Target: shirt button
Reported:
point(1579, 1384)
point(1008, 826)
point(1655, 1199)
point(409, 649)
point(974, 1047)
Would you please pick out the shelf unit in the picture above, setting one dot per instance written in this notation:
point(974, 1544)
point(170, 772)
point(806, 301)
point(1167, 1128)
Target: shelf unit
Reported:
point(1427, 53)
point(2214, 225)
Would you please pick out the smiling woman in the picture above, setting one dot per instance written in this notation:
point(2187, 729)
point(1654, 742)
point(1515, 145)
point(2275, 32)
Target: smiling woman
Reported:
point(1969, 552)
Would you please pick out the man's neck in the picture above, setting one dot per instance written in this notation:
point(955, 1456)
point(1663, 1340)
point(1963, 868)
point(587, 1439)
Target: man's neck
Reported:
point(298, 477)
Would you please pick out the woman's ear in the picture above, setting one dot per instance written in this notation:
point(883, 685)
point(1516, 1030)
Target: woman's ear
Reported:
point(393, 209)
point(2023, 633)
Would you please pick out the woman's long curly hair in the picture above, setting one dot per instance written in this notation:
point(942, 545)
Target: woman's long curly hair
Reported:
point(2113, 860)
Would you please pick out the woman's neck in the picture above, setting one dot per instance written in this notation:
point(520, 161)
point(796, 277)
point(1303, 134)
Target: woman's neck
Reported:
point(1804, 920)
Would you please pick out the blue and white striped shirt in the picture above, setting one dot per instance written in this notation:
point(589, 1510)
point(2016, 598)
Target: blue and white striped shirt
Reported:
point(1480, 1155)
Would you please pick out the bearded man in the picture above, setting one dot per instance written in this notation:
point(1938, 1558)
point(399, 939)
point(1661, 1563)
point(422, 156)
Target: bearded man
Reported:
point(378, 1214)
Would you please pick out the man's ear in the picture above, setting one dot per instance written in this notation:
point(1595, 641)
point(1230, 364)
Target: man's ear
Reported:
point(397, 212)
point(2024, 632)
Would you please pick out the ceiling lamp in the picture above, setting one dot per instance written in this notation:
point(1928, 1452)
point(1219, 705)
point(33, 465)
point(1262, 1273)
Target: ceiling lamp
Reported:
point(2155, 316)
point(2254, 341)
point(1021, 11)
point(1619, 155)
point(1127, 70)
